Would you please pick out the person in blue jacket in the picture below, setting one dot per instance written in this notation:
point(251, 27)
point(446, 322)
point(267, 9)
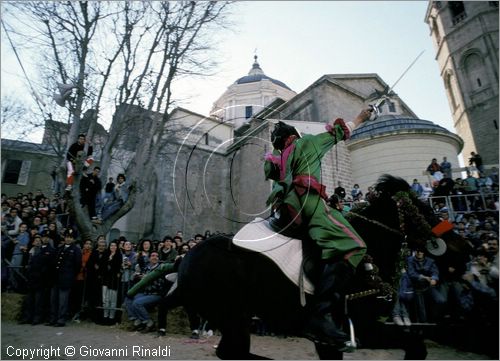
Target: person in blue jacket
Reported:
point(424, 275)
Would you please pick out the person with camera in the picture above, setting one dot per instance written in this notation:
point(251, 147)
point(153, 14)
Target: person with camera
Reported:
point(476, 160)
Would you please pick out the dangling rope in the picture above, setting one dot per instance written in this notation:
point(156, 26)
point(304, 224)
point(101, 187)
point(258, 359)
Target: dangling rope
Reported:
point(39, 102)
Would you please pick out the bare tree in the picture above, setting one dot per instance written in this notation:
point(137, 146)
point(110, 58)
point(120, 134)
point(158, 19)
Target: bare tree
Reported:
point(129, 55)
point(13, 110)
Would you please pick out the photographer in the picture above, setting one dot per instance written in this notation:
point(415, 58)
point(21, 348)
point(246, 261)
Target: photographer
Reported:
point(477, 161)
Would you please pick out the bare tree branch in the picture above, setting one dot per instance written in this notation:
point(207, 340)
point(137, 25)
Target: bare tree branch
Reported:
point(125, 55)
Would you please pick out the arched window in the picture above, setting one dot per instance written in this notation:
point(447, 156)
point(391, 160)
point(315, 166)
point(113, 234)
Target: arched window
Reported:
point(474, 70)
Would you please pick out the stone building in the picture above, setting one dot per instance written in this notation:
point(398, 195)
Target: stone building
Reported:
point(190, 181)
point(210, 174)
point(27, 167)
point(465, 36)
point(398, 142)
point(402, 146)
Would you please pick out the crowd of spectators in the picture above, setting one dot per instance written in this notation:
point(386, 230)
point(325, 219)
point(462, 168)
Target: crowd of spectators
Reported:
point(439, 289)
point(64, 279)
point(453, 288)
point(476, 192)
point(455, 291)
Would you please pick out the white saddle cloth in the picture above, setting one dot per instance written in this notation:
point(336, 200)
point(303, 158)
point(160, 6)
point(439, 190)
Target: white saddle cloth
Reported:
point(286, 252)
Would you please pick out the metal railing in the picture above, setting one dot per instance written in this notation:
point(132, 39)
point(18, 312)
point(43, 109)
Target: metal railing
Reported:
point(456, 204)
point(466, 203)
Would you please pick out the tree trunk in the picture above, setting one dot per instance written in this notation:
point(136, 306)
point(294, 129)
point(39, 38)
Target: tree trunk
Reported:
point(87, 228)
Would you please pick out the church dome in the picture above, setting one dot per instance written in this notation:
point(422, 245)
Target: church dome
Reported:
point(256, 74)
point(399, 145)
point(393, 124)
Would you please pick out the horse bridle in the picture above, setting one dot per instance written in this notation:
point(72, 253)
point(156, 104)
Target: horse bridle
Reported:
point(387, 296)
point(377, 223)
point(400, 198)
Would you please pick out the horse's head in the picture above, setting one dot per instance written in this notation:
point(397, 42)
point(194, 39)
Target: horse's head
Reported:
point(419, 222)
point(396, 207)
point(394, 215)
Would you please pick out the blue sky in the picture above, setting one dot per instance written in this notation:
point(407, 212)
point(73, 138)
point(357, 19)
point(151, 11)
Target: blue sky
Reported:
point(298, 42)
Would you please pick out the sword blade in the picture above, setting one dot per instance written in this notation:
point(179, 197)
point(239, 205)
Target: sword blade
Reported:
point(376, 107)
point(406, 71)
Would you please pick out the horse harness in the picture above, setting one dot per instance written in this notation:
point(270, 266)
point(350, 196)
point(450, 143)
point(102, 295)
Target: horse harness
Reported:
point(402, 200)
point(388, 296)
point(400, 260)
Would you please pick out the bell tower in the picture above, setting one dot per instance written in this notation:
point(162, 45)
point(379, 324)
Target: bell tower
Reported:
point(465, 36)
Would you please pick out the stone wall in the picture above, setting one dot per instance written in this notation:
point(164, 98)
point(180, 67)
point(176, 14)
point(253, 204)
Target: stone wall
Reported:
point(192, 195)
point(249, 189)
point(404, 155)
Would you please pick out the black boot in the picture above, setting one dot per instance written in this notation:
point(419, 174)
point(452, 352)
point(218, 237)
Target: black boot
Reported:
point(329, 294)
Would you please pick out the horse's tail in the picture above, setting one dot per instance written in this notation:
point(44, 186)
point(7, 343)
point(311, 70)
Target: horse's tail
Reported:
point(173, 298)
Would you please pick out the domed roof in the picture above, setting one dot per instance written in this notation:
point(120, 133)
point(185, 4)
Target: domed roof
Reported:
point(394, 123)
point(256, 74)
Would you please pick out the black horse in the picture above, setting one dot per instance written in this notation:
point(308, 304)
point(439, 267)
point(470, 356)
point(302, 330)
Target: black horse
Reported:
point(228, 285)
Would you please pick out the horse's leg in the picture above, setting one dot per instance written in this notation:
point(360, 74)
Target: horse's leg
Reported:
point(326, 352)
point(235, 340)
point(414, 346)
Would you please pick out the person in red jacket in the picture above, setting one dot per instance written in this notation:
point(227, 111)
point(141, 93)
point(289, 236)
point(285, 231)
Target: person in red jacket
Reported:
point(71, 156)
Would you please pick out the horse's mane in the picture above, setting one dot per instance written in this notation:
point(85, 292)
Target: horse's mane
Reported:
point(379, 221)
point(381, 204)
point(388, 185)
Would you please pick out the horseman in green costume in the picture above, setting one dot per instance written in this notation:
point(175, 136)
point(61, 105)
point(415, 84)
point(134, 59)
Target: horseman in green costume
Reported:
point(299, 197)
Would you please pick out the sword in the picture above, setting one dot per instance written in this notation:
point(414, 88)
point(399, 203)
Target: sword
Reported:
point(376, 107)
